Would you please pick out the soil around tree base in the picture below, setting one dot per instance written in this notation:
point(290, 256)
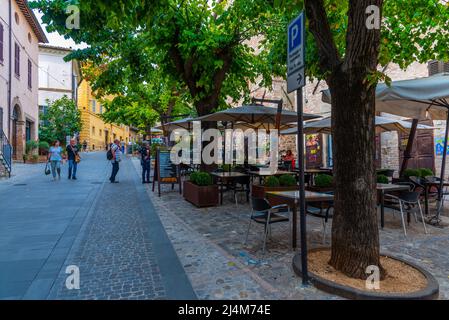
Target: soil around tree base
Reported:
point(404, 280)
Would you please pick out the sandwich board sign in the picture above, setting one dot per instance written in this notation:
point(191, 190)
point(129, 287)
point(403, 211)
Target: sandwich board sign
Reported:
point(296, 53)
point(165, 172)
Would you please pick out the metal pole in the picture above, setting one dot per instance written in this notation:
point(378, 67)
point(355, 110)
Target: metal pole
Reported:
point(408, 150)
point(302, 204)
point(443, 169)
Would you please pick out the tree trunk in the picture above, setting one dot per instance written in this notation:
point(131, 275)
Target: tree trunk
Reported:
point(355, 234)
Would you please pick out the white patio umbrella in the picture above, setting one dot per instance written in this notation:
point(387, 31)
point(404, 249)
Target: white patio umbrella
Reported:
point(254, 114)
point(382, 124)
point(422, 98)
point(185, 123)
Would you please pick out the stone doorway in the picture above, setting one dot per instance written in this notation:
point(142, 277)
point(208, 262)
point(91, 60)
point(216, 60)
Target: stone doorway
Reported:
point(17, 133)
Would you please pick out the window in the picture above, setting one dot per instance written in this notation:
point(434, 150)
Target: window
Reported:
point(101, 108)
point(16, 17)
point(17, 59)
point(28, 130)
point(30, 76)
point(1, 120)
point(93, 105)
point(101, 132)
point(1, 42)
point(93, 130)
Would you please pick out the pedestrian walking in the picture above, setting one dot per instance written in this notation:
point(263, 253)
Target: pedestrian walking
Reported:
point(73, 157)
point(85, 146)
point(55, 158)
point(146, 165)
point(115, 159)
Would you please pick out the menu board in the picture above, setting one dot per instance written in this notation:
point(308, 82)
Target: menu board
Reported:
point(165, 171)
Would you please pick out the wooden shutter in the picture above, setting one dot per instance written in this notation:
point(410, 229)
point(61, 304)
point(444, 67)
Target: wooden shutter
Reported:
point(30, 75)
point(1, 43)
point(446, 67)
point(17, 59)
point(436, 67)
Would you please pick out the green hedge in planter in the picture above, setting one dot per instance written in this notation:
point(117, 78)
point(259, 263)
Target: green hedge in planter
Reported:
point(201, 179)
point(272, 182)
point(422, 173)
point(425, 172)
point(323, 180)
point(381, 178)
point(287, 180)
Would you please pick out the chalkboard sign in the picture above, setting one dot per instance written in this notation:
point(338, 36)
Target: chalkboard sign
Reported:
point(165, 171)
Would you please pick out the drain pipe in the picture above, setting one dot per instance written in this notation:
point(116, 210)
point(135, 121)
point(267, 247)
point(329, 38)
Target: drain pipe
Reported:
point(10, 70)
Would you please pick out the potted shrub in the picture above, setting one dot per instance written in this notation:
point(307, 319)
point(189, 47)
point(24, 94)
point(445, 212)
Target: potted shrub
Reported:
point(200, 190)
point(44, 146)
point(323, 183)
point(283, 183)
point(381, 178)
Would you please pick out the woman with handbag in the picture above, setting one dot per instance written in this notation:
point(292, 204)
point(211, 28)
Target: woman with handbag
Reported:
point(73, 157)
point(55, 159)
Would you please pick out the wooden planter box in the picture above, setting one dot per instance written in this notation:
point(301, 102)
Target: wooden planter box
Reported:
point(200, 196)
point(259, 191)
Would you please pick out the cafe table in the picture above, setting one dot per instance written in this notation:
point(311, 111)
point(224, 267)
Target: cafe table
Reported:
point(225, 178)
point(384, 188)
point(291, 198)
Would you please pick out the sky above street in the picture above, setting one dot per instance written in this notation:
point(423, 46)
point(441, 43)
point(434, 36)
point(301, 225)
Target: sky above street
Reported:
point(55, 39)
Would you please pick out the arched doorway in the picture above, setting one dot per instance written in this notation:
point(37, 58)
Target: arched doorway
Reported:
point(16, 133)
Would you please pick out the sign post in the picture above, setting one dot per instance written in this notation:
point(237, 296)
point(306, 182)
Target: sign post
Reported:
point(296, 81)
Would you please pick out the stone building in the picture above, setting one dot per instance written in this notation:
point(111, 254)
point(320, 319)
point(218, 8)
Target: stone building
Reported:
point(20, 35)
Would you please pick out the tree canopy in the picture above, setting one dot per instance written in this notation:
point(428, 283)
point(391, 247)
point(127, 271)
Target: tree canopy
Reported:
point(61, 119)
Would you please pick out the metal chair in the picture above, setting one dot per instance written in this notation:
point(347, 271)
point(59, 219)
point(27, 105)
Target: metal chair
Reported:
point(406, 200)
point(433, 179)
point(322, 211)
point(264, 213)
point(240, 184)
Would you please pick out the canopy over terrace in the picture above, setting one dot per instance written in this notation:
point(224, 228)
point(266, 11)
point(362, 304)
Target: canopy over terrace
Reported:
point(382, 124)
point(258, 115)
point(185, 123)
point(420, 99)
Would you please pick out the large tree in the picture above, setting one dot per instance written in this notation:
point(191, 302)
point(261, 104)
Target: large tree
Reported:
point(346, 49)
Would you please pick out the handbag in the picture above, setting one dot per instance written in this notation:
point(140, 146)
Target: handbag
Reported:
point(77, 156)
point(47, 169)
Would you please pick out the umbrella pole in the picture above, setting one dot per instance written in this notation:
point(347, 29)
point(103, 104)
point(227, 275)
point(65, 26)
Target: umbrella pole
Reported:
point(443, 169)
point(408, 150)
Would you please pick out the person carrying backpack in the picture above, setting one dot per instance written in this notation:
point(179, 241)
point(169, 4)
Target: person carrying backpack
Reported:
point(114, 155)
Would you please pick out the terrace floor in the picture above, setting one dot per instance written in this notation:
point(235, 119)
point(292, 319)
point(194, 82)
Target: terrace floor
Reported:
point(210, 245)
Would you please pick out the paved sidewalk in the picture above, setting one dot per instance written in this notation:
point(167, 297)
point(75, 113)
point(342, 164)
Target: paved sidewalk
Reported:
point(110, 231)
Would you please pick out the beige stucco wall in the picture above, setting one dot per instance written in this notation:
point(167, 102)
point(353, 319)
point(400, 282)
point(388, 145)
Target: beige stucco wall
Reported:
point(23, 96)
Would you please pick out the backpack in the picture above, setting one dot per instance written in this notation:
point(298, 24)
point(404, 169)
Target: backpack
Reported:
point(109, 155)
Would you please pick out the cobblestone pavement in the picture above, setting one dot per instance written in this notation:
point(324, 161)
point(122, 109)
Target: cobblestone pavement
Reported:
point(109, 231)
point(209, 243)
point(115, 252)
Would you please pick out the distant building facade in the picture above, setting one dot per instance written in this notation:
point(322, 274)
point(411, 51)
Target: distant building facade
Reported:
point(95, 131)
point(20, 35)
point(57, 78)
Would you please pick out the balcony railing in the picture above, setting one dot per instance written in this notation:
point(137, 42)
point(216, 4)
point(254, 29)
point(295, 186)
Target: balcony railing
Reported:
point(5, 152)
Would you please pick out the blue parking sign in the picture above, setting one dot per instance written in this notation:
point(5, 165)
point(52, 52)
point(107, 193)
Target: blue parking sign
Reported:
point(295, 33)
point(296, 53)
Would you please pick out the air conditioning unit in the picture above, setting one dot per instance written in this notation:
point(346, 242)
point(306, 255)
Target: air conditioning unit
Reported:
point(436, 67)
